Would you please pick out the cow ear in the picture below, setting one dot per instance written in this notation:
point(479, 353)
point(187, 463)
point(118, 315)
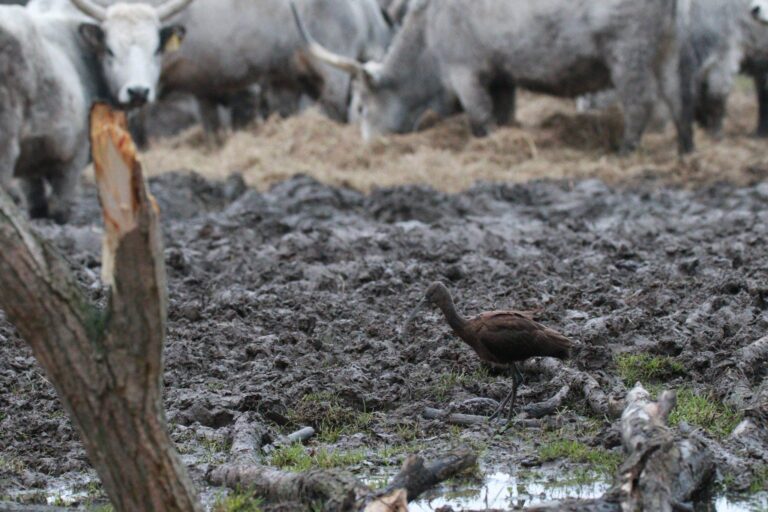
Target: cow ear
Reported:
point(171, 38)
point(93, 35)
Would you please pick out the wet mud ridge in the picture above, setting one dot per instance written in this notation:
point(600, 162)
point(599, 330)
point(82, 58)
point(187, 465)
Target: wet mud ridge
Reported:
point(287, 306)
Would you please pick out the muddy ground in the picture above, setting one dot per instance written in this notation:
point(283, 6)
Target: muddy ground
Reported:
point(286, 305)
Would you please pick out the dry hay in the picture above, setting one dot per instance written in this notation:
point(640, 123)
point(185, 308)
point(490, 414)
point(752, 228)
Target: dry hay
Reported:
point(551, 141)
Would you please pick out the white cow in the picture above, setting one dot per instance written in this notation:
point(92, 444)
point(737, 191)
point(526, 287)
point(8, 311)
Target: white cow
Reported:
point(53, 66)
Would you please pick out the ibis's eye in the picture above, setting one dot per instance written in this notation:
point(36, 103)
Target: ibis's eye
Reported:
point(109, 51)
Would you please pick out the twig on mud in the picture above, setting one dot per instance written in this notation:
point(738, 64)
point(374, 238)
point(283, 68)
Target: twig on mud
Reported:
point(547, 407)
point(431, 413)
point(597, 400)
point(247, 435)
point(299, 436)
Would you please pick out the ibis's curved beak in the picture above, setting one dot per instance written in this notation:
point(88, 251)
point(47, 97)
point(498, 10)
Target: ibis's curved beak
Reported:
point(411, 317)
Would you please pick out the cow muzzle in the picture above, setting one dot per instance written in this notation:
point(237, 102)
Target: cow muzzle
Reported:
point(135, 96)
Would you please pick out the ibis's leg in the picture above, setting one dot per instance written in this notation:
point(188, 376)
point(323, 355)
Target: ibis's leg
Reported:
point(502, 405)
point(520, 377)
point(517, 380)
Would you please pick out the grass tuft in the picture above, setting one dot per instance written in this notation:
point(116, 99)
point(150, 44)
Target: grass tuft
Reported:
point(297, 458)
point(647, 368)
point(704, 411)
point(442, 389)
point(237, 502)
point(332, 419)
point(601, 460)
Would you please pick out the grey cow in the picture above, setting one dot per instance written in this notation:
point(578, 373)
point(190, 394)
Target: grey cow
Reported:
point(234, 44)
point(722, 38)
point(53, 65)
point(473, 51)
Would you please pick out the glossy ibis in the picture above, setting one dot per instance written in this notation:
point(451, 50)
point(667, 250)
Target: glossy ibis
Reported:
point(498, 337)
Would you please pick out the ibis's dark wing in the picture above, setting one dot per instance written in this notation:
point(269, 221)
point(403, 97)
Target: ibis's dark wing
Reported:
point(514, 336)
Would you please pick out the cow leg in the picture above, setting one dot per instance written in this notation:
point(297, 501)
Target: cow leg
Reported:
point(676, 84)
point(243, 106)
point(504, 104)
point(209, 115)
point(637, 94)
point(761, 87)
point(64, 188)
point(475, 99)
point(34, 190)
point(10, 150)
point(9, 153)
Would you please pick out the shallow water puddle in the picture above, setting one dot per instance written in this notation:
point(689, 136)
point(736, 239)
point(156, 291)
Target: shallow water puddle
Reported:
point(505, 491)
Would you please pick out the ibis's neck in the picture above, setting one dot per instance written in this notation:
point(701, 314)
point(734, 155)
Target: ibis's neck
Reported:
point(455, 320)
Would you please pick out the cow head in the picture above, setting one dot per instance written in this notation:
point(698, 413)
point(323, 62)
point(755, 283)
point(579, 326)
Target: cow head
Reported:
point(759, 10)
point(384, 99)
point(130, 40)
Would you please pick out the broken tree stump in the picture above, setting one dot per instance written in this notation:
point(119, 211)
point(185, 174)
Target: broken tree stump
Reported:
point(664, 469)
point(106, 365)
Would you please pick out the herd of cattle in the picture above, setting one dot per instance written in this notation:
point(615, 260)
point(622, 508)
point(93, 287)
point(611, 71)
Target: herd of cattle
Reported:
point(386, 65)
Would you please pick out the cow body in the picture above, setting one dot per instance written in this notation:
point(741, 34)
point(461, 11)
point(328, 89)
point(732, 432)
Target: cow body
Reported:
point(475, 51)
point(49, 81)
point(233, 44)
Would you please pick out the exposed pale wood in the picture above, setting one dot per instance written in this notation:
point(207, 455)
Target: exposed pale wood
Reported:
point(106, 366)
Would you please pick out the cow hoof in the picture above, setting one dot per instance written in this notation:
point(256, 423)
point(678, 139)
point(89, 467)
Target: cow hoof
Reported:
point(627, 149)
point(59, 217)
point(38, 212)
point(480, 130)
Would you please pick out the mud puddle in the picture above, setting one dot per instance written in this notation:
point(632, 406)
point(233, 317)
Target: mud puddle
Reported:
point(505, 491)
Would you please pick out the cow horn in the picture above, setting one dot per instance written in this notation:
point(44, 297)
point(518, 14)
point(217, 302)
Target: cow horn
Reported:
point(322, 54)
point(91, 9)
point(171, 7)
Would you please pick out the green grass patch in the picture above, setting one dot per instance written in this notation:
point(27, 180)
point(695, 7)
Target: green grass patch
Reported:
point(332, 419)
point(704, 411)
point(647, 368)
point(237, 502)
point(442, 389)
point(601, 460)
point(297, 458)
point(759, 480)
point(12, 465)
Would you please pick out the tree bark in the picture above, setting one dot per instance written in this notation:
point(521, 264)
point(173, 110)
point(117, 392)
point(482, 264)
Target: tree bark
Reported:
point(107, 365)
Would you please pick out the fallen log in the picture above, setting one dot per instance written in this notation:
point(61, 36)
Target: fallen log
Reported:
point(664, 470)
point(106, 365)
point(417, 477)
point(340, 492)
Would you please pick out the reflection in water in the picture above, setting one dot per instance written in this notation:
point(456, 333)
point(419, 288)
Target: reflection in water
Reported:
point(502, 491)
